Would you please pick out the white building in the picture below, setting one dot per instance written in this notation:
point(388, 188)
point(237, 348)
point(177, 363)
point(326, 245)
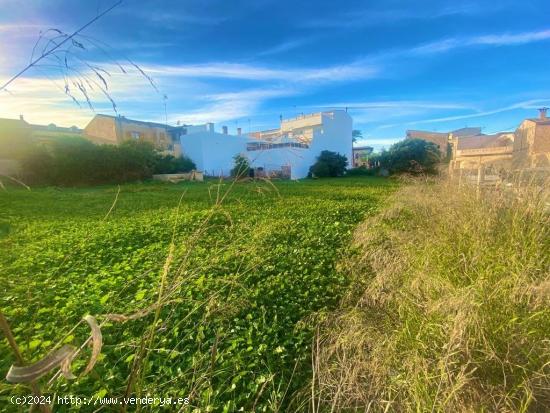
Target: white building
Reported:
point(291, 149)
point(212, 151)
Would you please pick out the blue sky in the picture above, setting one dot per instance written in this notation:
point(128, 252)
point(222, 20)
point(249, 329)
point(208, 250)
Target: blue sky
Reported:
point(396, 65)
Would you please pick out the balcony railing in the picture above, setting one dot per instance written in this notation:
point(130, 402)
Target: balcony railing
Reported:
point(498, 150)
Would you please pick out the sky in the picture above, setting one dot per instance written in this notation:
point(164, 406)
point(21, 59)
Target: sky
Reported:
point(395, 65)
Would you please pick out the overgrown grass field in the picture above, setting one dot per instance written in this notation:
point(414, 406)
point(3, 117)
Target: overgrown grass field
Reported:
point(218, 287)
point(449, 310)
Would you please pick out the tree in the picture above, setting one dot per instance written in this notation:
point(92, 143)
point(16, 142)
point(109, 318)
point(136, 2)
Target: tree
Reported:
point(242, 166)
point(356, 135)
point(411, 156)
point(168, 164)
point(329, 164)
point(77, 161)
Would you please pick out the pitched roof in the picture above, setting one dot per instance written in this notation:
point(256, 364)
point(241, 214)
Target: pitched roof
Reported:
point(141, 122)
point(484, 141)
point(421, 133)
point(52, 127)
point(14, 123)
point(467, 131)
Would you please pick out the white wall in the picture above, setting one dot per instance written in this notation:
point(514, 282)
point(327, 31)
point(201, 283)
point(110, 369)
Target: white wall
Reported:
point(336, 136)
point(299, 159)
point(213, 152)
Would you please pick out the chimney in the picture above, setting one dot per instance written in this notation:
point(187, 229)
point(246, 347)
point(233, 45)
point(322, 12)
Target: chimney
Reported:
point(210, 127)
point(239, 131)
point(21, 117)
point(542, 112)
point(224, 130)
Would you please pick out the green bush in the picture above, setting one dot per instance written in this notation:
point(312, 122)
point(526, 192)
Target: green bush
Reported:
point(241, 166)
point(362, 171)
point(168, 164)
point(413, 156)
point(329, 164)
point(76, 161)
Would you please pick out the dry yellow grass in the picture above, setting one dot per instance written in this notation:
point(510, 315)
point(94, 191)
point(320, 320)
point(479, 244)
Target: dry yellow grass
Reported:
point(449, 309)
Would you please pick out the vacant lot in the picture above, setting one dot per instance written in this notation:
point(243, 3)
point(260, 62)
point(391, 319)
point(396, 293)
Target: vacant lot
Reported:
point(449, 310)
point(251, 269)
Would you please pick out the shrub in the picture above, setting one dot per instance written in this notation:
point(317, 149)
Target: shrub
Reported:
point(77, 161)
point(329, 164)
point(168, 164)
point(362, 171)
point(413, 156)
point(241, 166)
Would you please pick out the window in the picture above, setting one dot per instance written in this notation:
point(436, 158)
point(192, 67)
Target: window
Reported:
point(135, 135)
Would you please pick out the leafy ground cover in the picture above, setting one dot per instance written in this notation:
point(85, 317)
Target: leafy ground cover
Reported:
point(246, 271)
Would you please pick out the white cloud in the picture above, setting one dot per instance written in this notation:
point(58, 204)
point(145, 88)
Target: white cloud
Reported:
point(345, 72)
point(161, 16)
point(397, 104)
point(227, 106)
point(503, 39)
point(43, 100)
point(512, 39)
point(286, 46)
point(370, 17)
point(369, 112)
point(528, 104)
point(196, 95)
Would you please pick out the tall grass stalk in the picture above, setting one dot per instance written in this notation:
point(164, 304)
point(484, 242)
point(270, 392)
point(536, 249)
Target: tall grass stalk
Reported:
point(449, 310)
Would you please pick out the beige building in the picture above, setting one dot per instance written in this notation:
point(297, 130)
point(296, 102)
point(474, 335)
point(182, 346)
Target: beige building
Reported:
point(105, 129)
point(493, 151)
point(532, 144)
point(528, 147)
point(442, 139)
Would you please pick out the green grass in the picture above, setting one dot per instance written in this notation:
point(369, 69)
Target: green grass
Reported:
point(247, 278)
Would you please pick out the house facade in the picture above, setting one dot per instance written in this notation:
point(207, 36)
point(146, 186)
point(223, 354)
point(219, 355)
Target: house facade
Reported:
point(491, 151)
point(286, 151)
point(105, 129)
point(295, 145)
point(532, 143)
point(48, 133)
point(212, 151)
point(443, 140)
point(528, 147)
point(361, 156)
